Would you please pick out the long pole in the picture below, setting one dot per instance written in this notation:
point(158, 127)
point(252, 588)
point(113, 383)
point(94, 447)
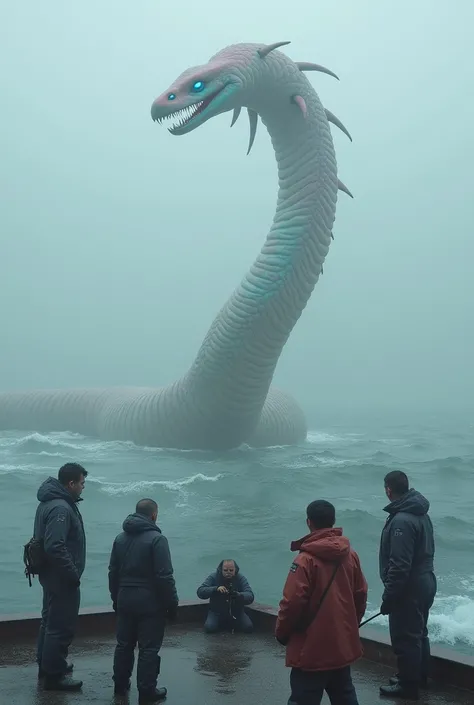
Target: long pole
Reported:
point(370, 619)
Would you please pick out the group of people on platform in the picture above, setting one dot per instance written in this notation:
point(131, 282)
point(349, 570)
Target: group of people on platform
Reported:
point(323, 603)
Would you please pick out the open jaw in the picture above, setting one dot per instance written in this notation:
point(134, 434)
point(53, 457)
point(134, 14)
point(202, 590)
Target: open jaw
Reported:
point(183, 116)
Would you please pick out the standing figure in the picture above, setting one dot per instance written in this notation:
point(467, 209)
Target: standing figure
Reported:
point(407, 572)
point(324, 600)
point(143, 593)
point(59, 531)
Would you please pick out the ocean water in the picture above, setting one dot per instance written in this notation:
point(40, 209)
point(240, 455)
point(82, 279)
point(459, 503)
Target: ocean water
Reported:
point(249, 504)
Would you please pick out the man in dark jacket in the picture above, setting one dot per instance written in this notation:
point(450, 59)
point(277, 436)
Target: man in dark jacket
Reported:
point(227, 591)
point(143, 592)
point(58, 524)
point(324, 600)
point(407, 572)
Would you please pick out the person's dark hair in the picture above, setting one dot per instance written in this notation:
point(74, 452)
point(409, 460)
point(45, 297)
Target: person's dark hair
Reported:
point(397, 481)
point(71, 472)
point(147, 507)
point(321, 514)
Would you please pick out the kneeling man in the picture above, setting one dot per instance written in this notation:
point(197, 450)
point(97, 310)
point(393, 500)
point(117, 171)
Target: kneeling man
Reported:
point(227, 591)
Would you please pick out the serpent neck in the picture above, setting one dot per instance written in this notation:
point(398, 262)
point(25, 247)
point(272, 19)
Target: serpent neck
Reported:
point(233, 369)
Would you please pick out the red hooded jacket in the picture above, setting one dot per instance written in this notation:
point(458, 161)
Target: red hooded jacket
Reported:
point(332, 640)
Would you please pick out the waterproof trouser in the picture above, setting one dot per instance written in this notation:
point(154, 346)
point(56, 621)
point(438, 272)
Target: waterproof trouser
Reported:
point(58, 625)
point(408, 624)
point(148, 631)
point(216, 622)
point(307, 687)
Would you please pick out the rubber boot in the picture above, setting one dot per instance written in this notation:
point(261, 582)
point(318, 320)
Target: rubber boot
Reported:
point(395, 679)
point(63, 683)
point(145, 698)
point(122, 689)
point(69, 669)
point(407, 691)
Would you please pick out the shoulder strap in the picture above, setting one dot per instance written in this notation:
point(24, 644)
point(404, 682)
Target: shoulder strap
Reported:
point(326, 589)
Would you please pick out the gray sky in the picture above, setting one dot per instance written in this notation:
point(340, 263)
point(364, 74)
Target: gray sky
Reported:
point(119, 242)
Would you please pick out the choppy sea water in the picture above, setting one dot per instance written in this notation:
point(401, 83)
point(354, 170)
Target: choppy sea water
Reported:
point(249, 504)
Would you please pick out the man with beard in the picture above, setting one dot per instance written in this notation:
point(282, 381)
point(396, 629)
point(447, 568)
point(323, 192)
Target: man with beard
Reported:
point(60, 532)
point(227, 591)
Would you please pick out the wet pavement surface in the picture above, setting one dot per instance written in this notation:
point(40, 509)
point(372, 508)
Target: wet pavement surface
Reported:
point(197, 669)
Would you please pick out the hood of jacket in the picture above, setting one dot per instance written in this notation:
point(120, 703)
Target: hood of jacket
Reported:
point(219, 567)
point(412, 502)
point(138, 523)
point(325, 544)
point(53, 489)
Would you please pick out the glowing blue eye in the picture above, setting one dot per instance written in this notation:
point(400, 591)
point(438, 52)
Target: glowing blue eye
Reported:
point(171, 96)
point(198, 86)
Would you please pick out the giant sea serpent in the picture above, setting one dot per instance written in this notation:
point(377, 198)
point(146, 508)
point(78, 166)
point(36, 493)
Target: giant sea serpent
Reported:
point(225, 399)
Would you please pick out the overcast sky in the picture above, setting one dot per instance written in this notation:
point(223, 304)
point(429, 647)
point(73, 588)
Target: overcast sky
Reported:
point(120, 243)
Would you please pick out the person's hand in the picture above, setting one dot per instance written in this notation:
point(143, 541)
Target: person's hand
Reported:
point(222, 589)
point(172, 613)
point(114, 607)
point(385, 608)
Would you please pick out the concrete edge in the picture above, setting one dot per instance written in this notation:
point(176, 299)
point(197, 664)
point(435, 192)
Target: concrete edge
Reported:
point(448, 666)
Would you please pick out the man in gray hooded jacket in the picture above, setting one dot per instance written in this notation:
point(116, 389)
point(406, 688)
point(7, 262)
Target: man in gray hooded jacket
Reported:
point(58, 524)
point(407, 572)
point(228, 591)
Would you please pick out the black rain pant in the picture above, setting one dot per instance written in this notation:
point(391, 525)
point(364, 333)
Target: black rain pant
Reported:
point(148, 631)
point(215, 622)
point(408, 624)
point(57, 629)
point(307, 687)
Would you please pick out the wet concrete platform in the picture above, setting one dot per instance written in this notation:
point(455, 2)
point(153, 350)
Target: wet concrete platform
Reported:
point(197, 669)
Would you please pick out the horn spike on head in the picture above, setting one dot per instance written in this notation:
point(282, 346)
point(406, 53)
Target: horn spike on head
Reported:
point(270, 47)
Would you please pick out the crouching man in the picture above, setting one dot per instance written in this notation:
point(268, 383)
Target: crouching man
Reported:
point(143, 593)
point(228, 591)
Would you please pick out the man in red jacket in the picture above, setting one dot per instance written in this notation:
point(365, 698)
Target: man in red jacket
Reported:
point(324, 600)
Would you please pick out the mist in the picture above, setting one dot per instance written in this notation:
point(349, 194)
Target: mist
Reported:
point(120, 242)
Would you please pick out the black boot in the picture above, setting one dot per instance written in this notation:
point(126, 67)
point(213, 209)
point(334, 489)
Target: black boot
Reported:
point(145, 698)
point(405, 691)
point(62, 683)
point(120, 689)
point(395, 679)
point(42, 674)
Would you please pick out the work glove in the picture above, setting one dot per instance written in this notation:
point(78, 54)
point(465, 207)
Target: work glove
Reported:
point(385, 607)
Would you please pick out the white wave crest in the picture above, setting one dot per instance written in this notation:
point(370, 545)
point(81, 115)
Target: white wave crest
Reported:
point(321, 437)
point(451, 619)
point(120, 488)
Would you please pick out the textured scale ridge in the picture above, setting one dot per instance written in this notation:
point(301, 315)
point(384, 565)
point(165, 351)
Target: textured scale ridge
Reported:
point(225, 399)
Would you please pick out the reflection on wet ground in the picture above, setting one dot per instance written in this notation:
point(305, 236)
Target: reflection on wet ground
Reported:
point(199, 669)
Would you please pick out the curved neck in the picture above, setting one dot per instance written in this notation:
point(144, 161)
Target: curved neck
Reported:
point(235, 364)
